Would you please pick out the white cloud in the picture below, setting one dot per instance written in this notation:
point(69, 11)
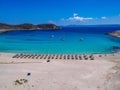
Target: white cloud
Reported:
point(75, 14)
point(51, 22)
point(76, 17)
point(104, 17)
point(77, 20)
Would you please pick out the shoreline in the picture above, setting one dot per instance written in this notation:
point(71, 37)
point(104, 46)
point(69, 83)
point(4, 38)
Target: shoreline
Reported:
point(30, 56)
point(8, 30)
point(115, 33)
point(27, 26)
point(61, 53)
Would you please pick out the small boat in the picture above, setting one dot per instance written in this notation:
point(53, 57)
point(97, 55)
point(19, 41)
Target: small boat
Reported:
point(81, 39)
point(62, 39)
point(52, 36)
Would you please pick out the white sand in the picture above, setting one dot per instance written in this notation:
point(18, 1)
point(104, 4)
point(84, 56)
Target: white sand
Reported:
point(99, 74)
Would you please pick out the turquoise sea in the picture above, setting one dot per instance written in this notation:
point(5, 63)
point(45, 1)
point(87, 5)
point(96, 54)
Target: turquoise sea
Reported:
point(69, 40)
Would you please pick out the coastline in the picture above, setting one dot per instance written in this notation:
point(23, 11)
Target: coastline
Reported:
point(115, 33)
point(59, 74)
point(117, 36)
point(8, 30)
point(4, 30)
point(27, 26)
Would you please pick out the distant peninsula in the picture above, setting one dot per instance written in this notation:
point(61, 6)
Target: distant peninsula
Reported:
point(7, 27)
point(115, 33)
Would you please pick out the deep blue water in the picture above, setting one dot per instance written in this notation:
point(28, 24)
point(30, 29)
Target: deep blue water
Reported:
point(69, 40)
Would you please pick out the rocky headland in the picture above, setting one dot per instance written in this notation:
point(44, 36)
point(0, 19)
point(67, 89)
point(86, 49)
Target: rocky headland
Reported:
point(27, 26)
point(115, 33)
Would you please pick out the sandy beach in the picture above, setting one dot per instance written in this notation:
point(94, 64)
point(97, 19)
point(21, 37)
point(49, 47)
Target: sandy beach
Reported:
point(102, 73)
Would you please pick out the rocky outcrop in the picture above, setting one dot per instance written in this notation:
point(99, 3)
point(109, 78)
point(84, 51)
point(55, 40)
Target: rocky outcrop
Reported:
point(115, 33)
point(115, 49)
point(27, 26)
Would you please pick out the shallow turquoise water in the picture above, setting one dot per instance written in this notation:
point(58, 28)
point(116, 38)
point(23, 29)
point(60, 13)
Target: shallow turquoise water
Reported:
point(66, 41)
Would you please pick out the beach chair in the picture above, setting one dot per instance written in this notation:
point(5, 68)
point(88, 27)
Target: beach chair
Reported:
point(72, 57)
point(52, 56)
point(21, 56)
point(60, 56)
point(64, 57)
point(92, 58)
point(25, 56)
point(80, 58)
point(41, 57)
point(18, 56)
point(15, 56)
point(45, 56)
point(38, 56)
point(29, 56)
point(76, 57)
point(33, 56)
point(49, 56)
point(56, 56)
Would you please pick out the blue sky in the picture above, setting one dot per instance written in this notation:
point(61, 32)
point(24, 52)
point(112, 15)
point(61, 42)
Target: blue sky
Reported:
point(61, 12)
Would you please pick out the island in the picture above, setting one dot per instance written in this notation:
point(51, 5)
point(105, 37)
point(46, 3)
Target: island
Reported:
point(115, 33)
point(26, 26)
